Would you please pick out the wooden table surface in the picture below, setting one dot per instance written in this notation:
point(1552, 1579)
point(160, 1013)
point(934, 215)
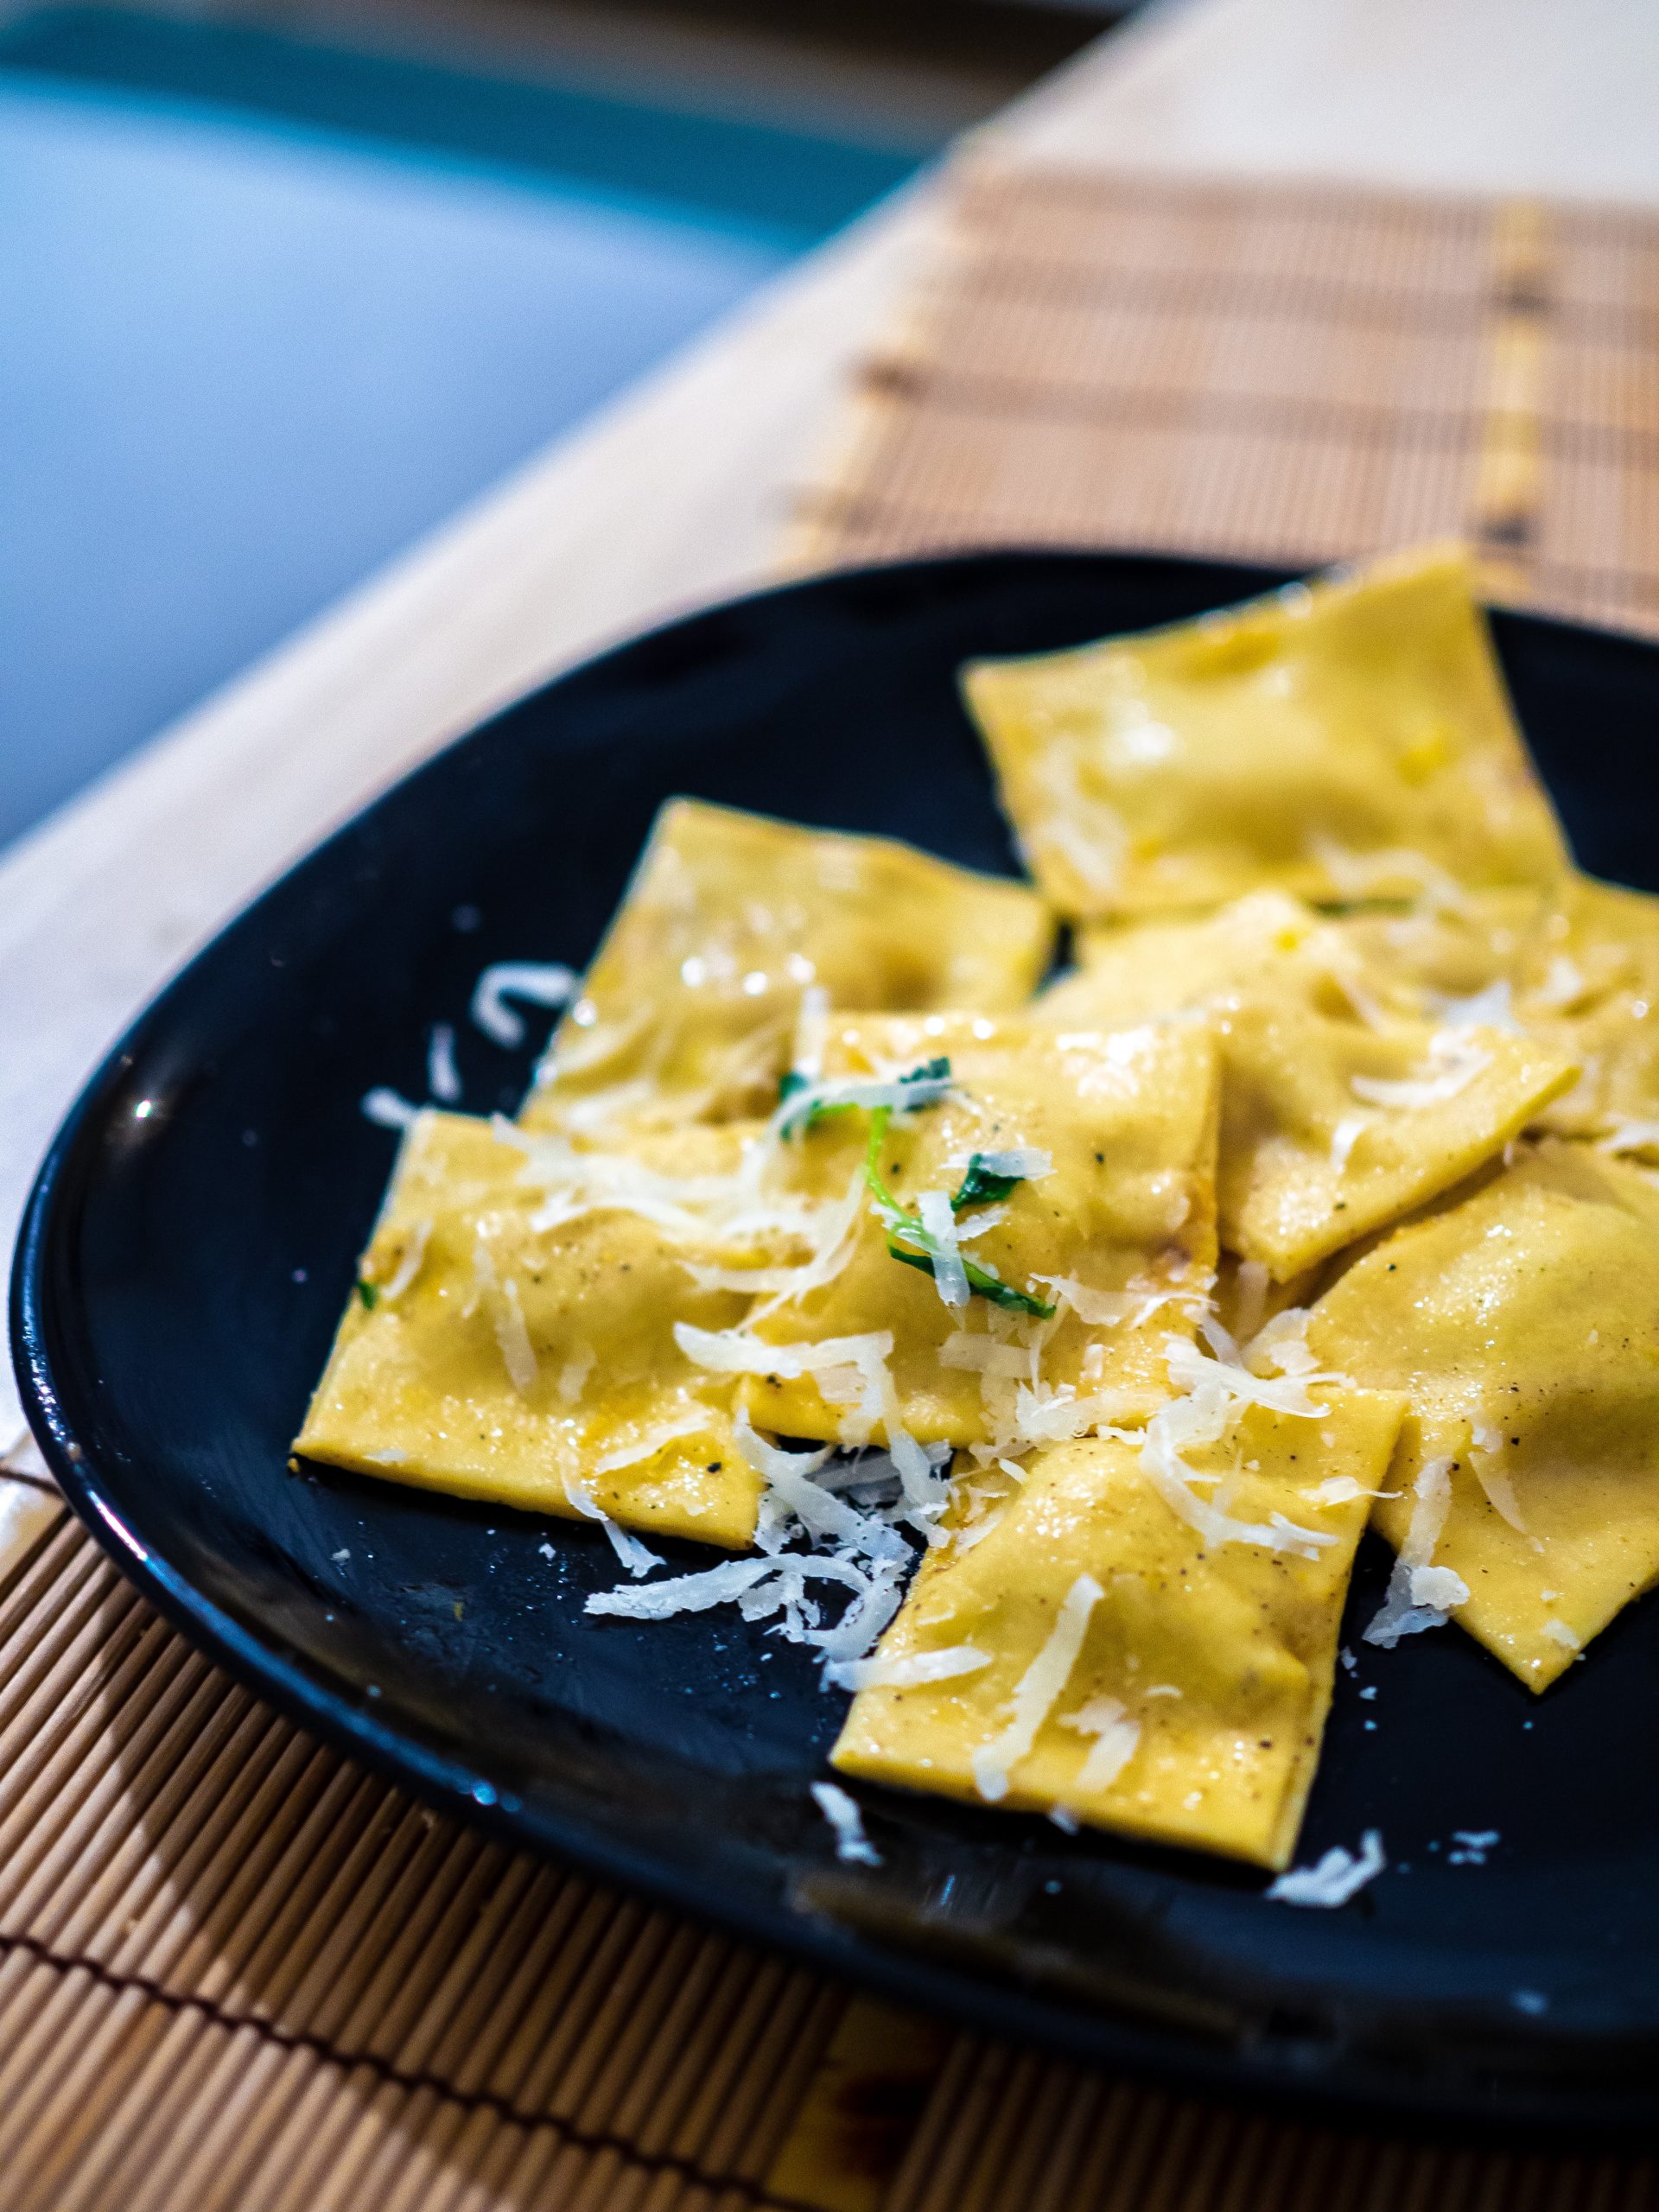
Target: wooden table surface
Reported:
point(682, 490)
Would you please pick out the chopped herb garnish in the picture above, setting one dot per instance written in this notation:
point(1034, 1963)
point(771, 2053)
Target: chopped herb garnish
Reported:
point(937, 1070)
point(370, 1295)
point(907, 1241)
point(982, 1186)
point(981, 1281)
point(817, 1100)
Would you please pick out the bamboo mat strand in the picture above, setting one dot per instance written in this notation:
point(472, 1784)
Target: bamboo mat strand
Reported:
point(237, 1974)
point(1276, 372)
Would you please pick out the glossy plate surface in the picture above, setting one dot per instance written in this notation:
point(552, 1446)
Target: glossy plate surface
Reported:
point(192, 1239)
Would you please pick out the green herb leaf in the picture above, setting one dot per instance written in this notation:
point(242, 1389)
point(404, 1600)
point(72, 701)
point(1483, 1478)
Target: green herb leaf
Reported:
point(982, 1284)
point(902, 1225)
point(982, 1186)
point(370, 1295)
point(937, 1070)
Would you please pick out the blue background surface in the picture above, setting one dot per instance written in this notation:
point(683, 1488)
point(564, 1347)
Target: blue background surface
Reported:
point(273, 311)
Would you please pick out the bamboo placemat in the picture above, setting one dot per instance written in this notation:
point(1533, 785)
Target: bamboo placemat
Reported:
point(1276, 373)
point(235, 1971)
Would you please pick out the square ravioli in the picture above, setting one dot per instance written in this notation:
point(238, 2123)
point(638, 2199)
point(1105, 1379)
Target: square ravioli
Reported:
point(689, 1009)
point(1522, 1322)
point(513, 1334)
point(1139, 1634)
point(1578, 972)
point(1339, 1112)
point(1346, 739)
point(1026, 1241)
point(1588, 984)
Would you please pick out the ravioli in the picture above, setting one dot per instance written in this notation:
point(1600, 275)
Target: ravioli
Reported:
point(509, 1347)
point(1349, 738)
point(1340, 1113)
point(1448, 951)
point(1116, 1233)
point(1124, 1670)
point(1589, 984)
point(689, 1008)
point(1522, 1321)
point(1332, 1129)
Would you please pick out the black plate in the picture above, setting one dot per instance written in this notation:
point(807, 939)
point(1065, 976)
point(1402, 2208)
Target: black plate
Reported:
point(191, 1240)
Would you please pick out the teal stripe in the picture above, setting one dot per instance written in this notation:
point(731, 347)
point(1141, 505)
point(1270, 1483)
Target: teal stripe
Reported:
point(785, 185)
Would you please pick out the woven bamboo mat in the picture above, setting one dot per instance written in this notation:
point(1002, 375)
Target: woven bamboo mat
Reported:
point(236, 1972)
point(1276, 373)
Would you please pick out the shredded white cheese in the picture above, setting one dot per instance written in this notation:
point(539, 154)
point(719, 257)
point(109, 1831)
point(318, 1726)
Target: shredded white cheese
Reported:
point(413, 1259)
point(909, 1672)
point(442, 1076)
point(388, 1109)
point(1099, 1309)
point(573, 1375)
point(1562, 986)
point(939, 1225)
point(629, 1550)
point(1026, 1161)
point(1338, 1877)
point(1453, 1065)
point(1281, 1344)
point(1421, 1595)
point(1346, 1135)
point(852, 1844)
point(1115, 1739)
point(541, 982)
point(1630, 1136)
point(1038, 1691)
point(1214, 1390)
point(1487, 1009)
point(869, 1092)
point(653, 1440)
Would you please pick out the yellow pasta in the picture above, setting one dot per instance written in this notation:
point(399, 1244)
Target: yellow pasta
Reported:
point(1347, 739)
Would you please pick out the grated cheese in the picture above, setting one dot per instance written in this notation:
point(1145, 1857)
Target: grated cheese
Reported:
point(546, 984)
point(1338, 1877)
point(442, 1077)
point(1115, 1739)
point(1421, 1595)
point(1630, 1136)
point(1099, 1309)
point(1453, 1065)
point(1487, 1009)
point(1215, 1389)
point(1346, 1135)
point(869, 1092)
point(629, 1550)
point(1562, 986)
point(939, 1227)
point(409, 1266)
point(1282, 1343)
point(1038, 1691)
point(853, 1846)
point(388, 1109)
point(1028, 1162)
point(653, 1440)
point(910, 1672)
